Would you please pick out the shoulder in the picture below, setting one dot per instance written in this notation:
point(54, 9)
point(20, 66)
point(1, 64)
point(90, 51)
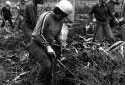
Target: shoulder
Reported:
point(47, 16)
point(95, 6)
point(3, 7)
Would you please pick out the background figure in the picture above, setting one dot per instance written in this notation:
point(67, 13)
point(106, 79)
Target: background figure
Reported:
point(30, 18)
point(47, 39)
point(102, 14)
point(20, 15)
point(6, 14)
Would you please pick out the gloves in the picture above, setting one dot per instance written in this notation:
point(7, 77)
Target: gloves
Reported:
point(116, 20)
point(50, 50)
point(94, 20)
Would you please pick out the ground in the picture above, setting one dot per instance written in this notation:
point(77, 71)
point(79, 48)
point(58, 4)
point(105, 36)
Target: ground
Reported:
point(83, 64)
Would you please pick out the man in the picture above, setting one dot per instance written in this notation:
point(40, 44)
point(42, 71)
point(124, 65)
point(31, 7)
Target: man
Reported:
point(102, 14)
point(30, 17)
point(46, 40)
point(6, 14)
point(20, 15)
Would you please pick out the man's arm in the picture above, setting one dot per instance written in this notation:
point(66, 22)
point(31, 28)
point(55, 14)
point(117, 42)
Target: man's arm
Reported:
point(91, 13)
point(2, 11)
point(42, 23)
point(39, 36)
point(10, 13)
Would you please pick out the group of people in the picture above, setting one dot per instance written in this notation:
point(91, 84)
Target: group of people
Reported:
point(43, 32)
point(7, 15)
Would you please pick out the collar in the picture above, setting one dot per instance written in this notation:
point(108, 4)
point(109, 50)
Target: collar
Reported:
point(100, 4)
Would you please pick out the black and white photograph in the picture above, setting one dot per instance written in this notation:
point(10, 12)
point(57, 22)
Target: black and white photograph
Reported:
point(62, 42)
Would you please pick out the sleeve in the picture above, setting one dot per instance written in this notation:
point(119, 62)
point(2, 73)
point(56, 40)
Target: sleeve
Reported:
point(2, 11)
point(91, 13)
point(92, 10)
point(39, 30)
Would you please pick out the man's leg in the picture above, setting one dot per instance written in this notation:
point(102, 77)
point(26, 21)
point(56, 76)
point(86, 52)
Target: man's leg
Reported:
point(99, 32)
point(3, 23)
point(108, 33)
point(44, 74)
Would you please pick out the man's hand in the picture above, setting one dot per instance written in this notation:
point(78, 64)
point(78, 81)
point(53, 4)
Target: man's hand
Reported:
point(94, 20)
point(116, 20)
point(50, 50)
point(2, 17)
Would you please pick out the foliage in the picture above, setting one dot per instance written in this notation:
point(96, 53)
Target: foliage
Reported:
point(89, 63)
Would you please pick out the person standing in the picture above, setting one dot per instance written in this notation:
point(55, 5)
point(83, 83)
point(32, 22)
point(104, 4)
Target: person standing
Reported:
point(30, 17)
point(6, 14)
point(102, 14)
point(20, 15)
point(47, 41)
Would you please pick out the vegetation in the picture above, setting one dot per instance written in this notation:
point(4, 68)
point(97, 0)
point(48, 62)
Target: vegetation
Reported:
point(82, 62)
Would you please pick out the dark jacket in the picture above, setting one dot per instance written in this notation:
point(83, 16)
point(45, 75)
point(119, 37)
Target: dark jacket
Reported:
point(30, 15)
point(101, 12)
point(6, 13)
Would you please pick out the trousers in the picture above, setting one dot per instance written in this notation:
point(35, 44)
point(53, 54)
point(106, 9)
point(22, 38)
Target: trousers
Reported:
point(40, 55)
point(103, 28)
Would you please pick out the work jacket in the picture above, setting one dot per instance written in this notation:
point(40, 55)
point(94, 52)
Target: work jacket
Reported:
point(102, 12)
point(48, 29)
